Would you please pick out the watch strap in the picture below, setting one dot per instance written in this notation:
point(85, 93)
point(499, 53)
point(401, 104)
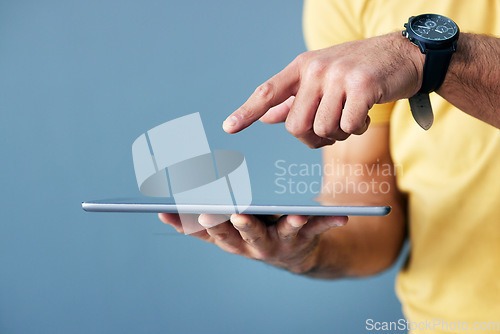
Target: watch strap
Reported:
point(435, 68)
point(421, 109)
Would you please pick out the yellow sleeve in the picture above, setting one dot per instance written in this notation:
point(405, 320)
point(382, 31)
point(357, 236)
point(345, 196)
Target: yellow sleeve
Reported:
point(330, 22)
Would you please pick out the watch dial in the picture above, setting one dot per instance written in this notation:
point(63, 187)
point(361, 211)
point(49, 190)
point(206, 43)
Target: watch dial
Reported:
point(434, 27)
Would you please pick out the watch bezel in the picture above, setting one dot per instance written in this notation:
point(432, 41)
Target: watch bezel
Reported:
point(426, 43)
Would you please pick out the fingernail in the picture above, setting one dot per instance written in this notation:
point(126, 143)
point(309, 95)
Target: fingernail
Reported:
point(202, 219)
point(230, 122)
point(336, 224)
point(206, 221)
point(239, 222)
point(297, 222)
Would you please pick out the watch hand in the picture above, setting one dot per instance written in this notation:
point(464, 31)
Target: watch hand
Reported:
point(423, 27)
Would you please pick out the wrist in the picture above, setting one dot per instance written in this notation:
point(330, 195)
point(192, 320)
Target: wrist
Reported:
point(411, 55)
point(458, 63)
point(322, 262)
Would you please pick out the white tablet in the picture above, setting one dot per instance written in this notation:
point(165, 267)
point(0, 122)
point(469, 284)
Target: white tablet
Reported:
point(156, 205)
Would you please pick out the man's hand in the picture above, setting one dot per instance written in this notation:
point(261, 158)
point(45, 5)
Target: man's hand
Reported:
point(325, 95)
point(290, 243)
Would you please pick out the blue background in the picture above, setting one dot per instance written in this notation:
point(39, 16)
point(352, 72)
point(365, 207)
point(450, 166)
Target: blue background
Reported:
point(79, 81)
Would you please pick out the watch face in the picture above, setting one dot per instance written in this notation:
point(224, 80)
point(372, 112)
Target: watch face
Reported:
point(434, 27)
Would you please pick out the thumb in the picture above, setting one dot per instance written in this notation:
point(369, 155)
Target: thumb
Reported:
point(279, 113)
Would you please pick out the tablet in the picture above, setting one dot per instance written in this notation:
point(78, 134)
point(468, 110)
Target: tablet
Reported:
point(307, 208)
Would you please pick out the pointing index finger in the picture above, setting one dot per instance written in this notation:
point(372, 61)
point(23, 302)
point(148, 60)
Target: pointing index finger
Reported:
point(271, 93)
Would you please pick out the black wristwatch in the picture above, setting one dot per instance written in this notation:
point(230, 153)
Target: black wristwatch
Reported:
point(436, 36)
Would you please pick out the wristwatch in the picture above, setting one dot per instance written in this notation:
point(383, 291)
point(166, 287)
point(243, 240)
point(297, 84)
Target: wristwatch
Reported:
point(436, 36)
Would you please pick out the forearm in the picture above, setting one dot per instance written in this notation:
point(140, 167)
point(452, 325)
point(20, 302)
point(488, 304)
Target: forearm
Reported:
point(366, 245)
point(472, 83)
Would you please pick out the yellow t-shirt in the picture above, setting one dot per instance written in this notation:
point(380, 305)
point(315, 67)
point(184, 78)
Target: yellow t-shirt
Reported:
point(451, 173)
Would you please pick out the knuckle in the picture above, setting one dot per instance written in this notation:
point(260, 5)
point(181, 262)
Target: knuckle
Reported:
point(316, 68)
point(350, 126)
point(336, 73)
point(330, 134)
point(252, 240)
point(266, 91)
point(323, 131)
point(303, 57)
point(295, 128)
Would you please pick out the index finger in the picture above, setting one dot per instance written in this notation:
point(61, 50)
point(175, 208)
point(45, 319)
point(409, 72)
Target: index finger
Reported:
point(271, 93)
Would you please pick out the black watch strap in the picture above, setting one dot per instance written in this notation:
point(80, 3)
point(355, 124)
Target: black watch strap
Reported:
point(435, 68)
